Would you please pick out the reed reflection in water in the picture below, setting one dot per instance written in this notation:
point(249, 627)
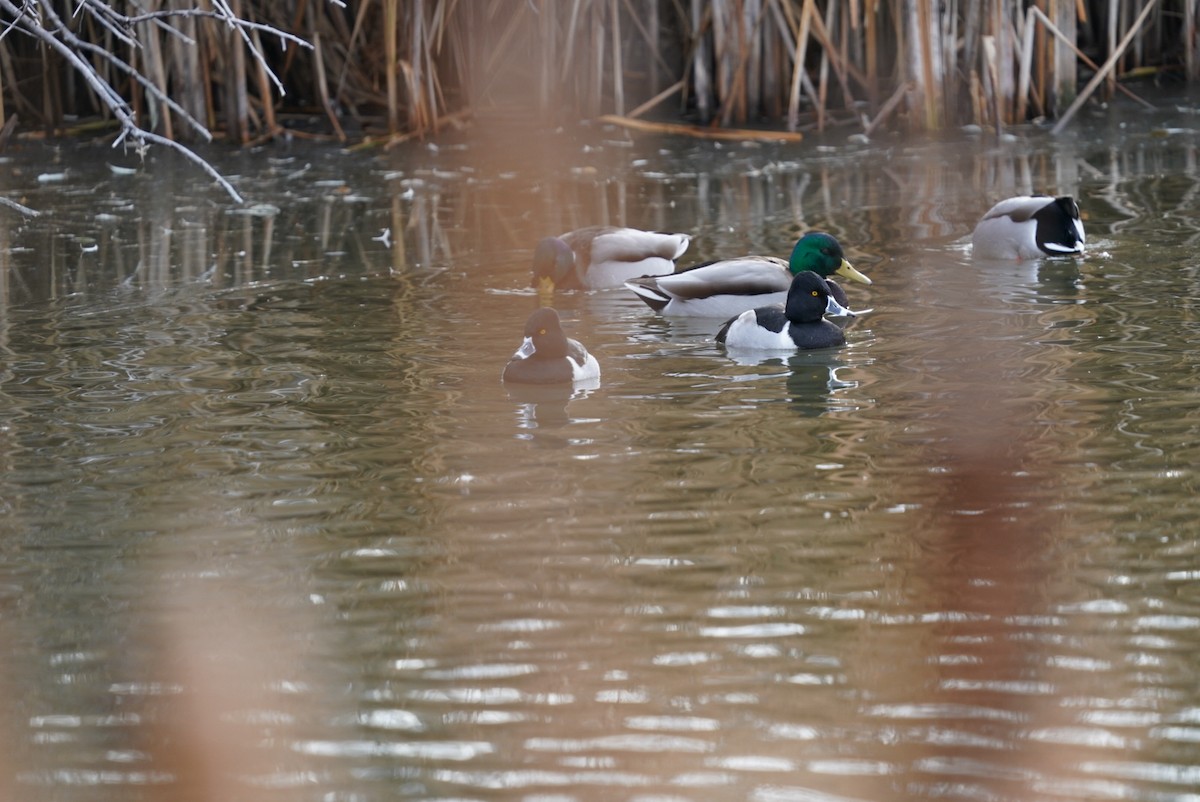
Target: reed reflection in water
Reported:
point(952, 559)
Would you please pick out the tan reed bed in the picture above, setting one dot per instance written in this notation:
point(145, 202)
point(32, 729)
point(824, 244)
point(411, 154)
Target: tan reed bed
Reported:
point(171, 72)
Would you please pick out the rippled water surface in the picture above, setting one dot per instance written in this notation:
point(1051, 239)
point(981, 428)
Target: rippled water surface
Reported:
point(273, 528)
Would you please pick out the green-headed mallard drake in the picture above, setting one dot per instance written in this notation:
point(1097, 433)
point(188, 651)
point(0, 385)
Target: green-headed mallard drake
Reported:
point(1029, 227)
point(727, 287)
point(798, 324)
point(548, 356)
point(601, 257)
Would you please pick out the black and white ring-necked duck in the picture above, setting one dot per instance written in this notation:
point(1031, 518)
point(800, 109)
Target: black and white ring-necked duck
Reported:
point(799, 324)
point(547, 356)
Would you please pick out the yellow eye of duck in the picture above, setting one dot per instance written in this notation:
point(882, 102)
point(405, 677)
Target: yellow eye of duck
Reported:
point(541, 331)
point(815, 293)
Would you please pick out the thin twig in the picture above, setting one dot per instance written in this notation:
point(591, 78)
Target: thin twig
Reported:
point(25, 210)
point(235, 22)
point(192, 156)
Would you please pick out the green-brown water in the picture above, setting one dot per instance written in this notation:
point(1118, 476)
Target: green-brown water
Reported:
point(260, 477)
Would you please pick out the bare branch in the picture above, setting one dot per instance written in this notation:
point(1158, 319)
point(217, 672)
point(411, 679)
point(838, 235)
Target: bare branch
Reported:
point(39, 20)
point(240, 23)
point(72, 40)
point(146, 136)
point(233, 21)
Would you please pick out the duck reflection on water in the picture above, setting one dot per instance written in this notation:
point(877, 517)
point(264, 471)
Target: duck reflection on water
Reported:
point(545, 406)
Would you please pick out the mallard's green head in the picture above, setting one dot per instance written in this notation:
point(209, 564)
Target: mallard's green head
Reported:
point(822, 254)
point(553, 261)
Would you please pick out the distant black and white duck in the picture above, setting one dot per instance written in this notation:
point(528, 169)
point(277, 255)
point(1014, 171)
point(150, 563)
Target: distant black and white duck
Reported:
point(601, 257)
point(728, 287)
point(798, 324)
point(548, 356)
point(1029, 227)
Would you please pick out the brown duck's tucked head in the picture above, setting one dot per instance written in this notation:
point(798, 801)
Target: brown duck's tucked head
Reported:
point(553, 264)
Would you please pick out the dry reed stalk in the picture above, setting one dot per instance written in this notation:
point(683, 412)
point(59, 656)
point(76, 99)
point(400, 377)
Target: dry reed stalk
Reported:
point(700, 132)
point(978, 103)
point(729, 43)
point(1191, 49)
point(1024, 72)
point(461, 58)
point(951, 86)
point(701, 77)
point(6, 272)
point(295, 24)
point(510, 32)
point(764, 63)
point(1004, 87)
point(456, 120)
point(351, 43)
point(12, 86)
point(419, 113)
point(924, 61)
point(548, 41)
point(1082, 97)
point(798, 74)
point(932, 63)
point(750, 69)
point(595, 78)
point(433, 87)
point(1136, 56)
point(774, 61)
point(264, 90)
point(51, 110)
point(323, 88)
point(186, 67)
point(971, 32)
point(990, 97)
point(891, 105)
point(651, 32)
point(238, 110)
point(870, 16)
point(827, 50)
point(618, 78)
point(6, 133)
point(569, 37)
point(391, 24)
point(659, 98)
point(1064, 83)
point(832, 56)
point(1111, 29)
point(207, 59)
point(1079, 54)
